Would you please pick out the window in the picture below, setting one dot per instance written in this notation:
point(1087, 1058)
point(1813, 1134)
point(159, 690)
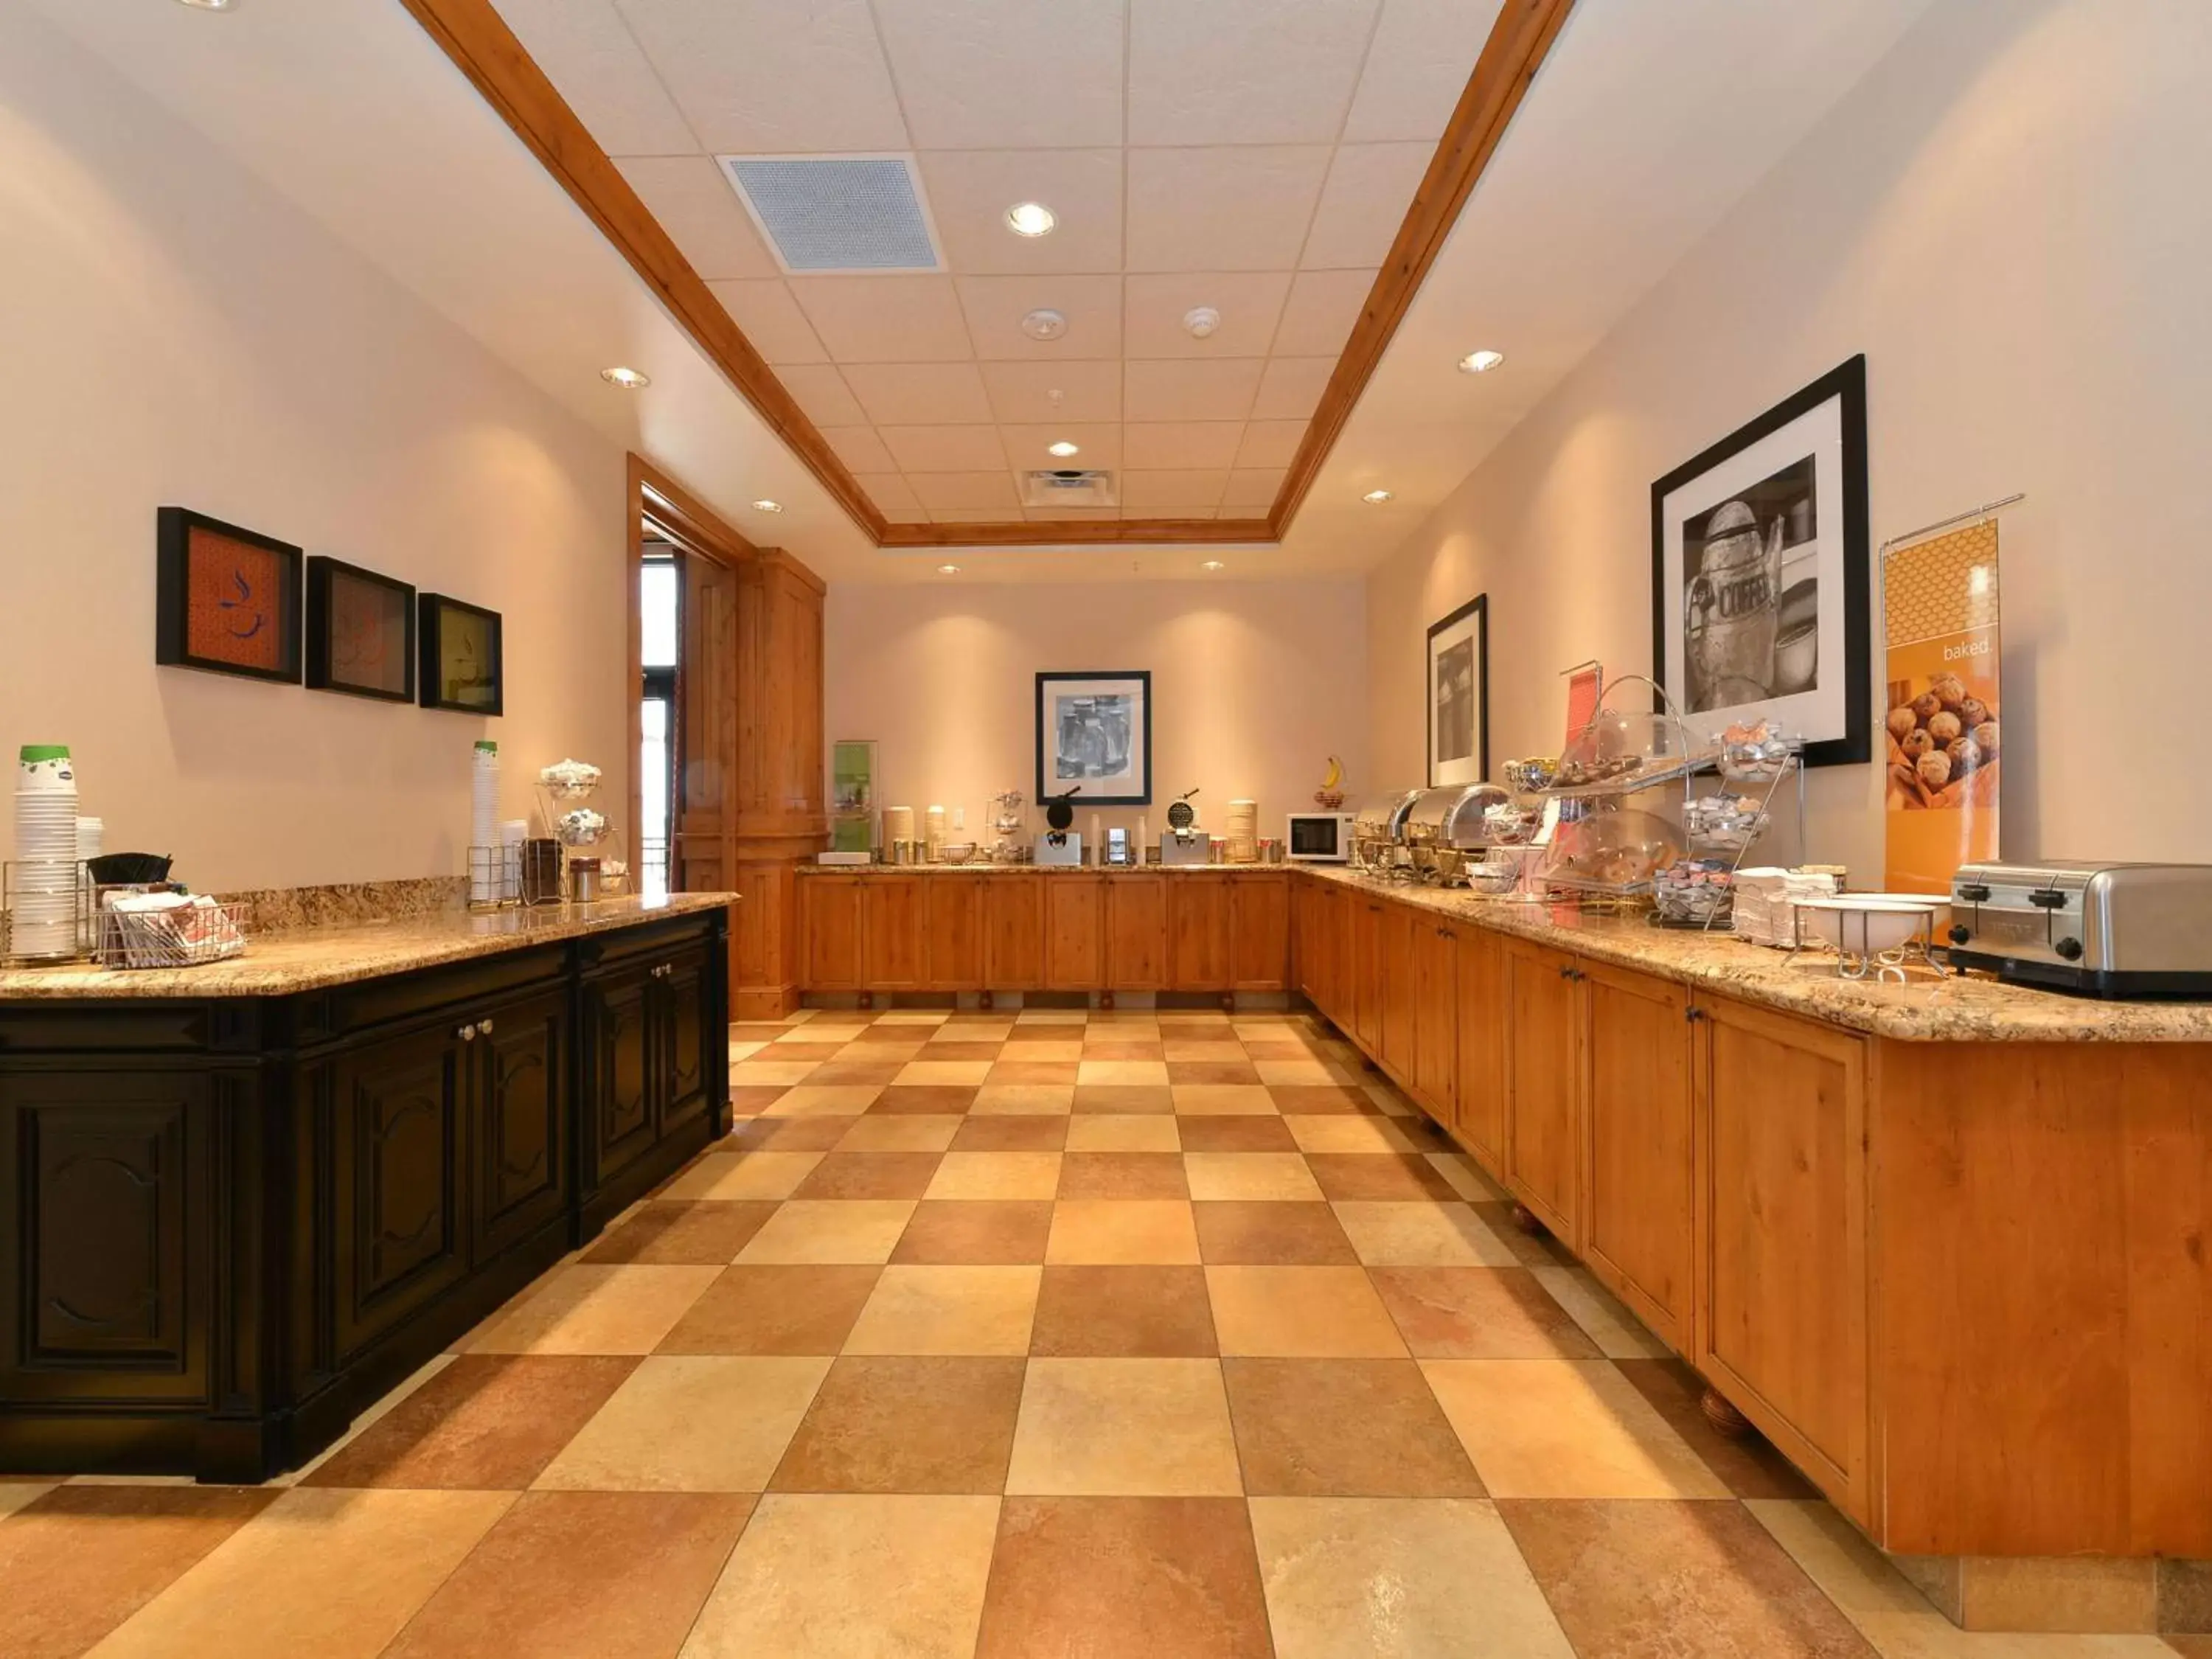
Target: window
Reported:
point(660, 628)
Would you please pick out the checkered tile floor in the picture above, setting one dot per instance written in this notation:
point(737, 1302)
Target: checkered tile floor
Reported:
point(1024, 1335)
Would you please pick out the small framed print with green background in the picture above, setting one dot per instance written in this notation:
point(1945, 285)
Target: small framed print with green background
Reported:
point(459, 649)
point(360, 632)
point(225, 599)
point(853, 795)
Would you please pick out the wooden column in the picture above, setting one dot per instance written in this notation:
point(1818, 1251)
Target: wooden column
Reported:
point(782, 817)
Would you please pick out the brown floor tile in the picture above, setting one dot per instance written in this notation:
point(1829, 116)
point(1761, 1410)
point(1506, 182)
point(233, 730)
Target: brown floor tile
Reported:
point(1043, 1133)
point(1110, 1577)
point(1136, 1313)
point(1061, 1072)
point(1205, 1133)
point(1668, 1576)
point(1261, 1233)
point(774, 1309)
point(80, 1560)
point(805, 1053)
point(684, 1232)
point(1321, 1099)
point(582, 1575)
point(855, 1072)
point(907, 1425)
point(785, 1135)
point(870, 1174)
point(962, 1051)
point(750, 1100)
point(1531, 1249)
point(1343, 1428)
point(1212, 1071)
point(1377, 1174)
point(976, 1232)
point(757, 1031)
point(1121, 1098)
point(936, 1098)
point(898, 1132)
point(900, 1042)
point(1113, 1048)
point(1123, 1175)
point(486, 1422)
point(1750, 1468)
point(1482, 1313)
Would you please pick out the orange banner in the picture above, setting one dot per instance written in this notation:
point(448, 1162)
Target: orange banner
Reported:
point(1945, 735)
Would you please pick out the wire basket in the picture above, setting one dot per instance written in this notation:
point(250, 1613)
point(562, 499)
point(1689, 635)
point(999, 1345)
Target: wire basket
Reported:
point(38, 925)
point(186, 935)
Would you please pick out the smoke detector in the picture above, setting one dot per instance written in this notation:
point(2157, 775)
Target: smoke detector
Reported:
point(1044, 325)
point(1200, 321)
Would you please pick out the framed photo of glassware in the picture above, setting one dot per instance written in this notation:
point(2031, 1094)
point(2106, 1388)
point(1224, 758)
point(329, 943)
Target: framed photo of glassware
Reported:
point(226, 600)
point(1094, 732)
point(360, 632)
point(459, 650)
point(1459, 696)
point(1760, 574)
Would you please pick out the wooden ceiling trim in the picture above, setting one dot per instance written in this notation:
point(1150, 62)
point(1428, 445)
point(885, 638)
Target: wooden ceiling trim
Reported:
point(1511, 55)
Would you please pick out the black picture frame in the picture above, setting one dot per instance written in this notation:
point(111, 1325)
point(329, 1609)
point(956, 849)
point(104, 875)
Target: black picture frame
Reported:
point(179, 535)
point(1843, 386)
point(324, 672)
point(1478, 609)
point(1137, 682)
point(434, 611)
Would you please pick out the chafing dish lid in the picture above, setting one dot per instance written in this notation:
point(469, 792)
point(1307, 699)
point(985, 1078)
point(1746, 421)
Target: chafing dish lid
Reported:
point(1381, 817)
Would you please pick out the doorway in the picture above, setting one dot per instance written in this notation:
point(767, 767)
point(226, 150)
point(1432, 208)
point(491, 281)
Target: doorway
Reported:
point(660, 729)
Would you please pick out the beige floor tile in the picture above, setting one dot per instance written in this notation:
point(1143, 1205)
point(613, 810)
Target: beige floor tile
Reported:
point(899, 1133)
point(1249, 1175)
point(1557, 1428)
point(745, 1051)
point(1203, 1048)
point(1465, 1180)
point(1850, 1571)
point(1124, 1428)
point(1397, 1578)
point(1023, 1099)
point(1200, 1099)
point(330, 1573)
point(852, 1577)
point(956, 1073)
point(826, 1100)
point(996, 1175)
point(1121, 1232)
point(1302, 1313)
point(1342, 1133)
point(1300, 1071)
point(1075, 1016)
point(691, 1423)
point(744, 1174)
point(1617, 1332)
point(854, 1231)
point(913, 1016)
point(1102, 1133)
point(829, 1033)
point(1122, 1073)
point(972, 1033)
point(1419, 1234)
point(770, 1073)
point(14, 1494)
point(1057, 1054)
point(948, 1311)
point(591, 1309)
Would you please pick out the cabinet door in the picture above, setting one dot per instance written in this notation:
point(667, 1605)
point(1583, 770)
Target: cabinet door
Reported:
point(1013, 932)
point(1260, 932)
point(519, 1123)
point(1365, 956)
point(954, 935)
point(1074, 931)
point(1781, 1321)
point(1637, 1176)
point(1480, 1096)
point(1137, 933)
point(619, 1067)
point(1435, 1018)
point(685, 1045)
point(893, 956)
point(1332, 939)
point(830, 912)
point(1543, 1147)
point(1397, 930)
point(1198, 933)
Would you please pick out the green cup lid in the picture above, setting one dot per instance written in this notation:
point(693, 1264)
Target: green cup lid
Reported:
point(484, 746)
point(43, 751)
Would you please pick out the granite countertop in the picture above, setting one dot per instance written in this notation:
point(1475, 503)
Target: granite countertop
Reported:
point(1928, 1008)
point(985, 868)
point(313, 958)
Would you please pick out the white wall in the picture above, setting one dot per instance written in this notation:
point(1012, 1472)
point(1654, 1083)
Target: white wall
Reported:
point(2010, 216)
point(173, 332)
point(1255, 684)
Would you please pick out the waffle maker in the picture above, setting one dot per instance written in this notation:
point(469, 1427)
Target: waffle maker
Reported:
point(1184, 842)
point(1058, 846)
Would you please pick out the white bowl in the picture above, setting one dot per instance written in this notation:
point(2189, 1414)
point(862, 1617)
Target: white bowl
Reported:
point(1870, 924)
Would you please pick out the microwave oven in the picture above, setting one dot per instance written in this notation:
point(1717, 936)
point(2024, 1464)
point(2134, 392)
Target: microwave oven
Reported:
point(1318, 838)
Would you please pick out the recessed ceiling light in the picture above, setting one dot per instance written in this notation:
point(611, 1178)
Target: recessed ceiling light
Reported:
point(1044, 323)
point(210, 5)
point(1480, 362)
point(1376, 497)
point(1031, 219)
point(628, 380)
point(766, 505)
point(948, 570)
point(1063, 449)
point(1211, 564)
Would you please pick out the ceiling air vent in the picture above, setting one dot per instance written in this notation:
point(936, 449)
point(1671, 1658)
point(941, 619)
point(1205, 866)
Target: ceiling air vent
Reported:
point(823, 213)
point(1069, 487)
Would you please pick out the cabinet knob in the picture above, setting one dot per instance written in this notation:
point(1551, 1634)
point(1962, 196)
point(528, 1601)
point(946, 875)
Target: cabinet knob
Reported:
point(467, 1034)
point(485, 1026)
point(1693, 1012)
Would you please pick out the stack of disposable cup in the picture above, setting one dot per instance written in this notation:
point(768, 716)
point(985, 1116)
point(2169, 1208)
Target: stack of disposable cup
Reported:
point(483, 837)
point(512, 835)
point(42, 885)
point(1243, 831)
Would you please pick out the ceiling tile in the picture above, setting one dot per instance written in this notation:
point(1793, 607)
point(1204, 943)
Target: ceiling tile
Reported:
point(1170, 389)
point(1244, 71)
point(1370, 187)
point(967, 492)
point(1318, 317)
point(860, 448)
point(1270, 443)
point(1078, 514)
point(1149, 491)
point(917, 394)
point(923, 449)
point(886, 319)
point(996, 305)
point(1011, 72)
point(1237, 209)
point(692, 199)
point(974, 515)
point(1252, 489)
point(771, 319)
point(1249, 302)
point(1423, 53)
point(595, 64)
point(771, 75)
point(1292, 387)
point(888, 491)
point(1096, 444)
point(1022, 394)
point(907, 515)
point(1161, 445)
point(969, 192)
point(821, 390)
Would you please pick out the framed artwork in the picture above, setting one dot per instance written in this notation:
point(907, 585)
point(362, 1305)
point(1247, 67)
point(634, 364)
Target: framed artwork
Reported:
point(1759, 574)
point(1095, 732)
point(360, 632)
point(1459, 696)
point(459, 649)
point(225, 599)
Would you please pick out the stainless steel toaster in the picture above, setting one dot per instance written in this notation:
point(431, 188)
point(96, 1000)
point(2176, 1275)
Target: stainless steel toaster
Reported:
point(2112, 930)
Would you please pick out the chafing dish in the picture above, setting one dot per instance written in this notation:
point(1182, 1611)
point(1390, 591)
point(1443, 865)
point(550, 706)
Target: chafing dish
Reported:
point(1441, 826)
point(2111, 930)
point(1378, 831)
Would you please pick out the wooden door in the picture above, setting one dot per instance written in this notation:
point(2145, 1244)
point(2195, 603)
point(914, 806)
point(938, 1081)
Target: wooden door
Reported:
point(1480, 1092)
point(1781, 1291)
point(1074, 931)
point(1199, 923)
point(1638, 1181)
point(1365, 919)
point(1260, 932)
point(953, 931)
point(519, 1123)
point(1399, 927)
point(1435, 996)
point(830, 911)
point(704, 827)
point(1543, 1103)
point(1013, 932)
point(1137, 933)
point(894, 955)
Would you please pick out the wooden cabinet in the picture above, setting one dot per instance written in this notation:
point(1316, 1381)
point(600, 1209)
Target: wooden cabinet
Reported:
point(1397, 929)
point(618, 1062)
point(1260, 932)
point(953, 930)
point(652, 1052)
point(1636, 1175)
point(1543, 1095)
point(1199, 940)
point(894, 948)
point(1074, 930)
point(1479, 1088)
point(1136, 932)
point(1013, 932)
point(1363, 954)
point(829, 913)
point(1435, 996)
point(519, 1122)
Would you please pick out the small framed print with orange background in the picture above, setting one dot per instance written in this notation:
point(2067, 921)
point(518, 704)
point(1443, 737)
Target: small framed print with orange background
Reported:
point(225, 599)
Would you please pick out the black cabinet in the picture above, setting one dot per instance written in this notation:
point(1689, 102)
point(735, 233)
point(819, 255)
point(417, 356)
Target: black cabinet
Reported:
point(517, 1117)
point(653, 1053)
